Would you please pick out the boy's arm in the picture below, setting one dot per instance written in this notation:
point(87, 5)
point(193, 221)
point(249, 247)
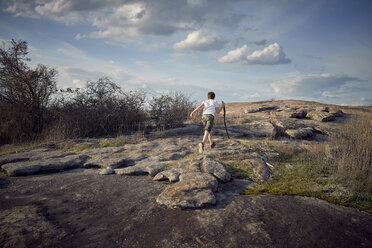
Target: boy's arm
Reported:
point(220, 107)
point(197, 108)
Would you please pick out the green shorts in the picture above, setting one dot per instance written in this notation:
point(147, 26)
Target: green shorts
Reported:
point(208, 122)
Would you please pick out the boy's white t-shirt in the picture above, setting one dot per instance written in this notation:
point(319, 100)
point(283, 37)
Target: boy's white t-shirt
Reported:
point(210, 106)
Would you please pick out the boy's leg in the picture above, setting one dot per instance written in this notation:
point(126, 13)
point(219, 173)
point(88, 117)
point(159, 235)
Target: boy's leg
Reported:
point(206, 135)
point(210, 138)
point(201, 145)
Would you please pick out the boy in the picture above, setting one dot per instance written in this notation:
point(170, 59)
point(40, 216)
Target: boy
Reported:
point(210, 108)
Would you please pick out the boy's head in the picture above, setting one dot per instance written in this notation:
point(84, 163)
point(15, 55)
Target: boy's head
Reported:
point(211, 95)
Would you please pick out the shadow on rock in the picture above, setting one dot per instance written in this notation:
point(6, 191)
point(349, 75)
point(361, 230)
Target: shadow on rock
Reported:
point(4, 183)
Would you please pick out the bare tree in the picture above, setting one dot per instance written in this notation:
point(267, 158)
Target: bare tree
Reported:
point(24, 92)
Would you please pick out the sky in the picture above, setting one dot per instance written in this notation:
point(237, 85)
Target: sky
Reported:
point(243, 50)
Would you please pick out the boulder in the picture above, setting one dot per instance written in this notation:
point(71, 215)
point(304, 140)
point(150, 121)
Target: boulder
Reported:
point(216, 169)
point(107, 171)
point(300, 133)
point(260, 168)
point(299, 114)
point(170, 175)
point(321, 116)
point(194, 190)
point(154, 169)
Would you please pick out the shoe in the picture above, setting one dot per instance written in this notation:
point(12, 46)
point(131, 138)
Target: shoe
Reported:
point(201, 147)
point(213, 145)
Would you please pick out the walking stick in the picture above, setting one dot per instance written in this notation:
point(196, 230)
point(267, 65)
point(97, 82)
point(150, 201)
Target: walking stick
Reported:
point(224, 121)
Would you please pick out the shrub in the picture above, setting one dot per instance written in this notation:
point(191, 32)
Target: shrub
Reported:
point(170, 111)
point(100, 109)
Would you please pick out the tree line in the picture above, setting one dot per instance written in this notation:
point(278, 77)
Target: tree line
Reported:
point(32, 107)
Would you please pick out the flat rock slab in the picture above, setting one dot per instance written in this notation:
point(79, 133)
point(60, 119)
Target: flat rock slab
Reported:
point(194, 190)
point(91, 210)
point(35, 154)
point(114, 160)
point(151, 166)
point(46, 165)
point(12, 158)
point(101, 151)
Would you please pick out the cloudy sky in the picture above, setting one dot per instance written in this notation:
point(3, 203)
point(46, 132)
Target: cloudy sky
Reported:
point(243, 50)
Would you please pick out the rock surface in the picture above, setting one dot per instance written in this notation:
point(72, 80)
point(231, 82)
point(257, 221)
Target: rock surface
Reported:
point(83, 209)
point(216, 169)
point(194, 190)
point(260, 168)
point(300, 133)
point(26, 226)
point(46, 165)
point(321, 116)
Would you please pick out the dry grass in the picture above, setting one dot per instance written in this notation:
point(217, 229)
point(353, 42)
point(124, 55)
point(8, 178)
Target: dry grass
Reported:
point(348, 156)
point(339, 171)
point(354, 143)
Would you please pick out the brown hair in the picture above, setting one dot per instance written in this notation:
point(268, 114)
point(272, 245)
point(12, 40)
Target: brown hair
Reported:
point(211, 95)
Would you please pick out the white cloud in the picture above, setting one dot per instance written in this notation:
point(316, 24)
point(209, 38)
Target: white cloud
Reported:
point(196, 3)
point(201, 41)
point(80, 36)
point(235, 55)
point(55, 6)
point(271, 55)
point(127, 18)
point(142, 63)
point(313, 85)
